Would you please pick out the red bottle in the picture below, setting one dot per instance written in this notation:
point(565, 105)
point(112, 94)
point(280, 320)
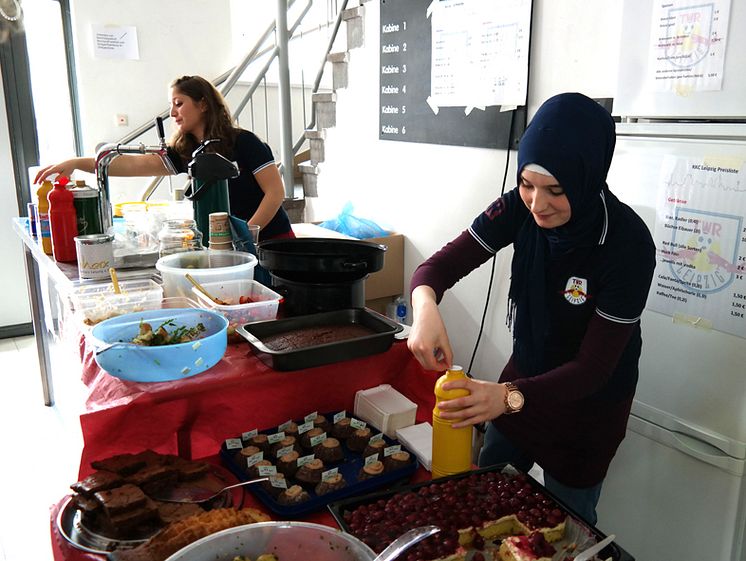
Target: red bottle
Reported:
point(62, 221)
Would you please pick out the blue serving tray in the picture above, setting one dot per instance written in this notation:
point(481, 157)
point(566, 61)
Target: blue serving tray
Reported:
point(348, 467)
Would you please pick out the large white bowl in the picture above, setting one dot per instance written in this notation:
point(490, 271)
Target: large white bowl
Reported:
point(204, 266)
point(289, 541)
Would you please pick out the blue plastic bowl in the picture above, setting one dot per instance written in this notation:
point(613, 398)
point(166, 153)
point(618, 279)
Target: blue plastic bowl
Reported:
point(160, 363)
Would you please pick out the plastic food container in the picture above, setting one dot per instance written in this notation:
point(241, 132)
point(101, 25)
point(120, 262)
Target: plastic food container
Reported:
point(385, 408)
point(204, 266)
point(96, 302)
point(263, 305)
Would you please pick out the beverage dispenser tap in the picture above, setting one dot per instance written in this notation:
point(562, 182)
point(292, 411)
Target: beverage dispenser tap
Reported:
point(108, 152)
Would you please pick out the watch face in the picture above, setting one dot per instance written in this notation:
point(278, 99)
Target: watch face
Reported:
point(515, 400)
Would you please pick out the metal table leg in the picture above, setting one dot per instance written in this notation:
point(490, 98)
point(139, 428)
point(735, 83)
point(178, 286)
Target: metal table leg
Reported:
point(40, 333)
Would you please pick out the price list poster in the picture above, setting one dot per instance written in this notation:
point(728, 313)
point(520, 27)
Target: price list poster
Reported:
point(700, 236)
point(453, 71)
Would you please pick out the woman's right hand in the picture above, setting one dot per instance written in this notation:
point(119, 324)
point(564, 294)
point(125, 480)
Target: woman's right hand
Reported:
point(65, 168)
point(428, 340)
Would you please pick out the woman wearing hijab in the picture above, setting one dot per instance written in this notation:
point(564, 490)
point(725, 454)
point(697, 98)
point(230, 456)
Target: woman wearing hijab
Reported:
point(582, 267)
point(200, 113)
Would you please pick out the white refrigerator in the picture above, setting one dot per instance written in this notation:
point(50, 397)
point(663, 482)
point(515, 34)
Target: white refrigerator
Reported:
point(676, 489)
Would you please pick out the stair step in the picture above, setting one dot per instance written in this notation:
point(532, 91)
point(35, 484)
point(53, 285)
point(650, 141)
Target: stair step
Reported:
point(355, 26)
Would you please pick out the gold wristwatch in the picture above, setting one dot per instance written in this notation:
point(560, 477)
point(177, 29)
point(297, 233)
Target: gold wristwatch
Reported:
point(514, 399)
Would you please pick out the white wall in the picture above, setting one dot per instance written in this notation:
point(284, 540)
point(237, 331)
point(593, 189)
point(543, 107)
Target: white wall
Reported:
point(430, 193)
point(174, 38)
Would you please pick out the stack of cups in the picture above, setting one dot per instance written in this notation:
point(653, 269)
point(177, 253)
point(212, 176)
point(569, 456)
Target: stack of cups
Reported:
point(220, 231)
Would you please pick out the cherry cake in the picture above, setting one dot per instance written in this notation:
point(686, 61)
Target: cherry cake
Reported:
point(475, 512)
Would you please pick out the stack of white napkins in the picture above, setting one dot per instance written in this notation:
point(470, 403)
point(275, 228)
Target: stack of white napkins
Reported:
point(385, 408)
point(419, 439)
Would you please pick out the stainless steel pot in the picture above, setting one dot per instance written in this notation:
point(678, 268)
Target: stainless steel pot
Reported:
point(289, 541)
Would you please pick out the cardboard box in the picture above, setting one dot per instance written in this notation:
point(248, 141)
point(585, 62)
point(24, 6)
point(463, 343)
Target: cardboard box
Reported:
point(389, 281)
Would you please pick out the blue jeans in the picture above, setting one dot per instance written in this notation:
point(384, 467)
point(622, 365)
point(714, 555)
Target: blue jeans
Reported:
point(497, 450)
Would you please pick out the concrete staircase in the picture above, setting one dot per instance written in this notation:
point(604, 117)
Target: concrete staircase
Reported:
point(325, 103)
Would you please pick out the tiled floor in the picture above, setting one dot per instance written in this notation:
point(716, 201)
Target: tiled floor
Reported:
point(40, 445)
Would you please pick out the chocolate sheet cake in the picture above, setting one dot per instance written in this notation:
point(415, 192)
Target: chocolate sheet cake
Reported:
point(313, 336)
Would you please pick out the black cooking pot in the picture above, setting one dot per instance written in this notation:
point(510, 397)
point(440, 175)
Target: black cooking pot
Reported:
point(324, 259)
point(302, 296)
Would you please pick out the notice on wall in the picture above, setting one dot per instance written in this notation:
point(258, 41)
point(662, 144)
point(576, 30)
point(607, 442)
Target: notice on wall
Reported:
point(454, 71)
point(700, 235)
point(479, 53)
point(117, 42)
point(688, 39)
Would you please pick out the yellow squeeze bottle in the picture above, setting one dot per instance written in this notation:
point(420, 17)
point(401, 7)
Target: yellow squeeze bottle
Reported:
point(451, 447)
point(43, 230)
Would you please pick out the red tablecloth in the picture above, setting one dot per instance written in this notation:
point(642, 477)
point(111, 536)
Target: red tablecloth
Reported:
point(240, 393)
point(195, 415)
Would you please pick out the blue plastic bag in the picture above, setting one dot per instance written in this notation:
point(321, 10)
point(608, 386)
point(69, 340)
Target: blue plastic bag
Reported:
point(243, 241)
point(354, 226)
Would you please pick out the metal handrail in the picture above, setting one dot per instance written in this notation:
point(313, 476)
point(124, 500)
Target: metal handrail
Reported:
point(230, 78)
point(320, 74)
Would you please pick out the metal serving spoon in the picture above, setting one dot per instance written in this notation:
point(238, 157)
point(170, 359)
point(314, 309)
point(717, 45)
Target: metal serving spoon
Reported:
point(198, 494)
point(405, 541)
point(591, 551)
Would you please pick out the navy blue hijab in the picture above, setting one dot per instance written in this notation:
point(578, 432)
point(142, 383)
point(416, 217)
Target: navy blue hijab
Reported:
point(573, 138)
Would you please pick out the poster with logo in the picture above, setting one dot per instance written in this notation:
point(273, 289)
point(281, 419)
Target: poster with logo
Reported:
point(688, 45)
point(700, 235)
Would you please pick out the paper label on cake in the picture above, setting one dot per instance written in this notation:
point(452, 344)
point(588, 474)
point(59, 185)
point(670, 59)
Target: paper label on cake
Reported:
point(303, 460)
point(267, 471)
point(254, 459)
point(391, 450)
point(311, 416)
point(357, 424)
point(318, 439)
point(274, 438)
point(372, 459)
point(285, 426)
point(233, 444)
point(329, 474)
point(284, 450)
point(376, 437)
point(305, 427)
point(278, 482)
point(339, 416)
point(250, 434)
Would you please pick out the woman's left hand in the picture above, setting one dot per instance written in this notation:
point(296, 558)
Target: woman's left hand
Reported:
point(485, 402)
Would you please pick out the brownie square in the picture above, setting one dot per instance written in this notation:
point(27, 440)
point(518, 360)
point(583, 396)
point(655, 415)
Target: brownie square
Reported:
point(121, 499)
point(123, 464)
point(153, 478)
point(121, 524)
point(97, 481)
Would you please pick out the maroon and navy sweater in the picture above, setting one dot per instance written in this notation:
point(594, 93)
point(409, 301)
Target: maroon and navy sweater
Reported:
point(576, 410)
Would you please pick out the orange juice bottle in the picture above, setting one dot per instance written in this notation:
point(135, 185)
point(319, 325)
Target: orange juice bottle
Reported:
point(451, 447)
point(43, 230)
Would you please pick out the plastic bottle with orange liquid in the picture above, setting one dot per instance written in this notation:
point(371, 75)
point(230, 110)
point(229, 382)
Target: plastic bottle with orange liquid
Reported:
point(451, 447)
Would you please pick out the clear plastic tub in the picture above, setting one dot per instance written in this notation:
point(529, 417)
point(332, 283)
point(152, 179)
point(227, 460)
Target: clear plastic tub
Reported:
point(263, 303)
point(204, 266)
point(96, 302)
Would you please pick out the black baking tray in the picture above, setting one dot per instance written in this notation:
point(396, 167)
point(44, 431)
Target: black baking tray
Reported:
point(348, 467)
point(379, 341)
point(338, 508)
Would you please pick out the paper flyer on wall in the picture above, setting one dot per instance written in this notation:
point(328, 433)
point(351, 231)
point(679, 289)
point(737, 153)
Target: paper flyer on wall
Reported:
point(687, 45)
point(479, 53)
point(700, 236)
